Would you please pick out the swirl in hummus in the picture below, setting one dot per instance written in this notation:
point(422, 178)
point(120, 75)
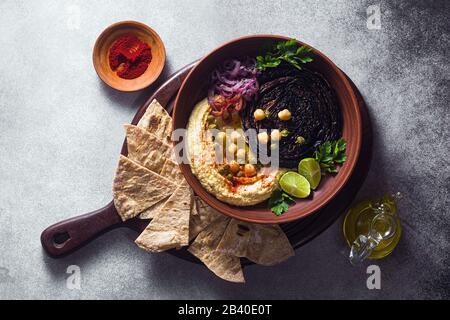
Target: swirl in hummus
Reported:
point(240, 187)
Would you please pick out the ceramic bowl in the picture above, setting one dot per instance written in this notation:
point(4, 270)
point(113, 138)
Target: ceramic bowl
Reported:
point(194, 89)
point(101, 53)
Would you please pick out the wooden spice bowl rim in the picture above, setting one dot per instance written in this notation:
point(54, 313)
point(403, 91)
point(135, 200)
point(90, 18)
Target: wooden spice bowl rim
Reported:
point(101, 52)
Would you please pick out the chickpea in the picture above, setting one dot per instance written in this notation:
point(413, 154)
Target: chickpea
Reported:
point(263, 137)
point(232, 148)
point(259, 114)
point(235, 135)
point(275, 135)
point(240, 154)
point(234, 167)
point(221, 137)
point(249, 170)
point(284, 115)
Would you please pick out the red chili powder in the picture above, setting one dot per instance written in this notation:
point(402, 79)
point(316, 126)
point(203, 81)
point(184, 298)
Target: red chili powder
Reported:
point(129, 56)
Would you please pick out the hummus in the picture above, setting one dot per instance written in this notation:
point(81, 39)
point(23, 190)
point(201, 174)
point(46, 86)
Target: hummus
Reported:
point(203, 165)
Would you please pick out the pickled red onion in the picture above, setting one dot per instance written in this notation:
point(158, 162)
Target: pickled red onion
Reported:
point(232, 83)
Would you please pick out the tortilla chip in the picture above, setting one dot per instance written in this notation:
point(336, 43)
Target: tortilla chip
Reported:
point(135, 188)
point(204, 247)
point(263, 244)
point(156, 120)
point(170, 226)
point(151, 212)
point(202, 217)
point(172, 171)
point(146, 149)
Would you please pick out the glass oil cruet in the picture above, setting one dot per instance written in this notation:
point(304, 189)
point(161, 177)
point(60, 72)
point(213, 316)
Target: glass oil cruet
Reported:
point(372, 228)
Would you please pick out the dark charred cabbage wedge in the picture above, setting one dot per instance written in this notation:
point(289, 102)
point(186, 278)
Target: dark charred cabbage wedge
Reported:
point(316, 115)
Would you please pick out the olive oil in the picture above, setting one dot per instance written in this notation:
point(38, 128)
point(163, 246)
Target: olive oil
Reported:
point(375, 226)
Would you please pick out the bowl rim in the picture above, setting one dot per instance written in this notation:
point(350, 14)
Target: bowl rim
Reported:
point(134, 23)
point(346, 175)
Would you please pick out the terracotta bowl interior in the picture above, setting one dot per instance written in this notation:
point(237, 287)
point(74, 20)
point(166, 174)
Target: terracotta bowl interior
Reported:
point(194, 89)
point(104, 43)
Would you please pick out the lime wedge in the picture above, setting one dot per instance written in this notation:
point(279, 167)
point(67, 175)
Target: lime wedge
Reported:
point(310, 169)
point(295, 185)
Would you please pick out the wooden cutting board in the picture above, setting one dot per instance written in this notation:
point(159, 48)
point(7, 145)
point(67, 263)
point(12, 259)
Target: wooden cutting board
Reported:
point(69, 235)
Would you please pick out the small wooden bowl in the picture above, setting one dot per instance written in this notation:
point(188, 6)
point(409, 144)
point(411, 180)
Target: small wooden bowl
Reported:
point(104, 42)
point(194, 88)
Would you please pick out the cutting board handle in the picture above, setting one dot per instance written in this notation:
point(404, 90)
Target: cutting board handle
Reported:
point(67, 236)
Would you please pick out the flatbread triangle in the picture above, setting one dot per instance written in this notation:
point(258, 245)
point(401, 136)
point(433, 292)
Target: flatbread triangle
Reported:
point(136, 188)
point(204, 247)
point(146, 149)
point(170, 226)
point(263, 244)
point(157, 121)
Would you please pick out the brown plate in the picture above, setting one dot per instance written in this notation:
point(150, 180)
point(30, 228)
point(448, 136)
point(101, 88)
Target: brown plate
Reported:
point(194, 89)
point(101, 53)
point(67, 236)
point(70, 235)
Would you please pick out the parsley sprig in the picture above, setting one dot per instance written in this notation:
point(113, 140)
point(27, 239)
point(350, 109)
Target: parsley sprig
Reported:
point(330, 154)
point(288, 51)
point(279, 202)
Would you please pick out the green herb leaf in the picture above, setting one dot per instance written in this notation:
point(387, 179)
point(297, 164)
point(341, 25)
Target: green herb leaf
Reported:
point(280, 208)
point(288, 51)
point(267, 61)
point(331, 153)
point(287, 198)
point(275, 198)
point(279, 202)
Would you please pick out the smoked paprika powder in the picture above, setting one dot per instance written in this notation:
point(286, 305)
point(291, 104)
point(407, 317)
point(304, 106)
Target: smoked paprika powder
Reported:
point(129, 56)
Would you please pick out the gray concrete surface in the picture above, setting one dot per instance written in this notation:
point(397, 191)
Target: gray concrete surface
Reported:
point(61, 132)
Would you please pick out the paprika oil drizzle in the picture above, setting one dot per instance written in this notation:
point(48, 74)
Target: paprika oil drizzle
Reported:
point(129, 56)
